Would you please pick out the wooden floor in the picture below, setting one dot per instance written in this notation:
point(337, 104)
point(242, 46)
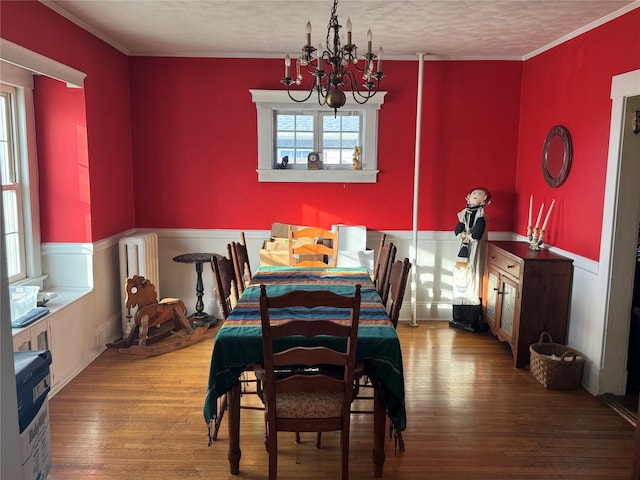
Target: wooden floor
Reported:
point(470, 415)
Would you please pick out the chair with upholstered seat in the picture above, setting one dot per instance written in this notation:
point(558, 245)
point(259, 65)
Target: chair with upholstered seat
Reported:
point(308, 398)
point(241, 264)
point(311, 241)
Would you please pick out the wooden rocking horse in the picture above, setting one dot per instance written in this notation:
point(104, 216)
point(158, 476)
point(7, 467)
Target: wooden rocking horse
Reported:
point(155, 321)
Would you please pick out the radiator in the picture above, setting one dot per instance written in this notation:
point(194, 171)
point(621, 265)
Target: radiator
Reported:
point(138, 256)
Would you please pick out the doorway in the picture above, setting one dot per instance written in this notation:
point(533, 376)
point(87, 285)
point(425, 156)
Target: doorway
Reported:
point(621, 239)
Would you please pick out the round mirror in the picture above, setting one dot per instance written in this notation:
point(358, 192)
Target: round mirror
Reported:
point(556, 156)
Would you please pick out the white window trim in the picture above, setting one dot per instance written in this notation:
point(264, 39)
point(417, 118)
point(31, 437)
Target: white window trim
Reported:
point(22, 79)
point(269, 100)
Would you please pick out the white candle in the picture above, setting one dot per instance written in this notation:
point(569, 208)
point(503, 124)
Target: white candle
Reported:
point(530, 208)
point(380, 52)
point(546, 219)
point(308, 33)
point(539, 215)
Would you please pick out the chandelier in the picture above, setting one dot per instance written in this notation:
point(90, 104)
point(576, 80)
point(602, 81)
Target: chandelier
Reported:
point(336, 67)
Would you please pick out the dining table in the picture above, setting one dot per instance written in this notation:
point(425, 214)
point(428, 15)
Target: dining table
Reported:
point(238, 348)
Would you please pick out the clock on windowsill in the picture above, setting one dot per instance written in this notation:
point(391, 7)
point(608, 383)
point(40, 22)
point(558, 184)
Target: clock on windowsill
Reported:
point(313, 161)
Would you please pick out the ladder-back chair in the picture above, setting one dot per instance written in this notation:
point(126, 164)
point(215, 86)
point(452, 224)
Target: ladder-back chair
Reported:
point(308, 398)
point(313, 246)
point(241, 264)
point(387, 257)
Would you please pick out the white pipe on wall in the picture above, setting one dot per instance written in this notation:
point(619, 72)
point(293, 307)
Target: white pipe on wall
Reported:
point(416, 191)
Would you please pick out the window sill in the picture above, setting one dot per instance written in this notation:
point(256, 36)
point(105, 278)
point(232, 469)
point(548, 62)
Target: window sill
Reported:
point(64, 298)
point(318, 176)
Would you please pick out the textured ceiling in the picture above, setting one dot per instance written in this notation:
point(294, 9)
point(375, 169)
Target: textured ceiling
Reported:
point(455, 29)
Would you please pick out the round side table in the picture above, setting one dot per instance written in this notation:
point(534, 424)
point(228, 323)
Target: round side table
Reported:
point(199, 316)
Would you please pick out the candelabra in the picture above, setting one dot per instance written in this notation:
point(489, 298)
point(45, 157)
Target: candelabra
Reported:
point(535, 236)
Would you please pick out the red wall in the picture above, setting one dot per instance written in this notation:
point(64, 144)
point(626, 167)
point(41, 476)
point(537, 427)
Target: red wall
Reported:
point(570, 85)
point(110, 211)
point(196, 148)
point(192, 160)
point(62, 134)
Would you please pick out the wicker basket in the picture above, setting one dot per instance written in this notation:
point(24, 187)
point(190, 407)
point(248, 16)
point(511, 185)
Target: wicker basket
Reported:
point(554, 365)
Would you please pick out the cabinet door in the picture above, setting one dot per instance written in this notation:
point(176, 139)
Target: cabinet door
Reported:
point(493, 287)
point(509, 294)
point(35, 337)
point(22, 341)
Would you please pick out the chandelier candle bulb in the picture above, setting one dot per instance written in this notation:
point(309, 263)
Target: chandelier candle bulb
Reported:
point(308, 30)
point(380, 52)
point(287, 65)
point(369, 40)
point(349, 27)
point(539, 216)
point(546, 219)
point(530, 208)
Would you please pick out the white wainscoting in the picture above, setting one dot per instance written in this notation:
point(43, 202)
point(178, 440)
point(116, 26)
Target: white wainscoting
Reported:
point(96, 267)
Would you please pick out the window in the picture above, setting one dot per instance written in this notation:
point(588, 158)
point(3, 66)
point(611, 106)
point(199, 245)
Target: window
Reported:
point(335, 137)
point(11, 185)
point(286, 128)
point(18, 174)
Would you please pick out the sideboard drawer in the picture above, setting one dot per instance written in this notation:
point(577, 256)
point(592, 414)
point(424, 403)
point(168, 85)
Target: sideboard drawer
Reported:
point(504, 263)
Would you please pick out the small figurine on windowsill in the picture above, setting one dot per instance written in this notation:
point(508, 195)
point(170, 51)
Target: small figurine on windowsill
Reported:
point(356, 163)
point(471, 226)
point(282, 165)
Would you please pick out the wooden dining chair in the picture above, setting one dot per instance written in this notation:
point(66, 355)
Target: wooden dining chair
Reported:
point(225, 285)
point(376, 268)
point(241, 264)
point(313, 239)
point(387, 257)
point(308, 398)
point(397, 286)
point(398, 275)
point(224, 282)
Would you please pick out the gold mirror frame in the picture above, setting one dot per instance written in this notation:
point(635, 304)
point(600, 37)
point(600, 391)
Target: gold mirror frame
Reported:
point(555, 180)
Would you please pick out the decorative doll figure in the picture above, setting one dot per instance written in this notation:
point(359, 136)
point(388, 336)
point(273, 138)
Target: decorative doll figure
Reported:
point(471, 222)
point(471, 226)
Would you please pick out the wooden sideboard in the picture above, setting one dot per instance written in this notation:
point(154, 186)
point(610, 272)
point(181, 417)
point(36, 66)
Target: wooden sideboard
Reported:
point(525, 293)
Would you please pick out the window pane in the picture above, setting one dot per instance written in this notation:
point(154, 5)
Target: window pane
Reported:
point(286, 139)
point(304, 140)
point(294, 137)
point(351, 123)
point(331, 156)
point(304, 123)
point(340, 134)
point(11, 231)
point(350, 140)
point(11, 186)
point(331, 124)
point(286, 122)
point(6, 166)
